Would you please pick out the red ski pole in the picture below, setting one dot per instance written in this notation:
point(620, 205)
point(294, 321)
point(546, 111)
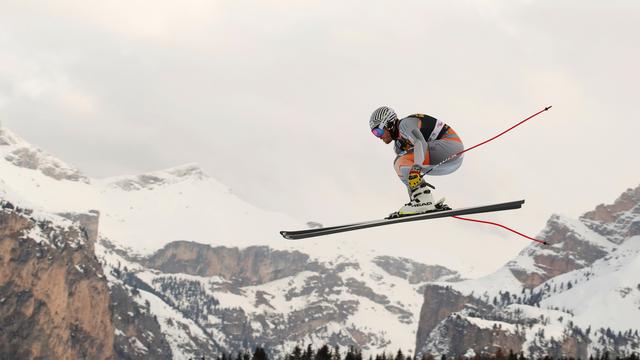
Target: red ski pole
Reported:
point(486, 141)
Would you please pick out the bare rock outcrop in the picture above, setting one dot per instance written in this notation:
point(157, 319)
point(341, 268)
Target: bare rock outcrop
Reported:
point(250, 266)
point(439, 303)
point(54, 301)
point(617, 221)
point(415, 272)
point(567, 251)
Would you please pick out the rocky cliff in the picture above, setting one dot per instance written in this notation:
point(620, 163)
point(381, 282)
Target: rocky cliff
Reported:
point(55, 302)
point(251, 266)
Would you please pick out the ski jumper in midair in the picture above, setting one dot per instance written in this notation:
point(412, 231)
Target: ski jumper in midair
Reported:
point(420, 142)
point(423, 145)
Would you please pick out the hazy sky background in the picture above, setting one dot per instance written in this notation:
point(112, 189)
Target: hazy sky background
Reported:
point(273, 98)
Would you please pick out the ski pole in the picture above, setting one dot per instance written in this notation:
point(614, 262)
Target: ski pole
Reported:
point(486, 141)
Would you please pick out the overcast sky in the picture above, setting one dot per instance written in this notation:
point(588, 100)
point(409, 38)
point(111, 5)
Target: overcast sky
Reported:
point(273, 98)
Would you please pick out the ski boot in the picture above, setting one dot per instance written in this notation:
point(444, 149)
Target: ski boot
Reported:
point(421, 202)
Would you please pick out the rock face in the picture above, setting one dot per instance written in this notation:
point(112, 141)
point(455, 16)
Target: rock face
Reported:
point(457, 335)
point(618, 221)
point(452, 323)
point(251, 266)
point(536, 302)
point(54, 303)
point(569, 251)
point(413, 271)
point(89, 224)
point(439, 303)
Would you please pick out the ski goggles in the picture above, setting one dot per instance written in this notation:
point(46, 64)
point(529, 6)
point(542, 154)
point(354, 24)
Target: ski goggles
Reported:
point(377, 132)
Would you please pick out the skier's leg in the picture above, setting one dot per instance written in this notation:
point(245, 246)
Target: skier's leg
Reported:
point(402, 164)
point(439, 150)
point(421, 197)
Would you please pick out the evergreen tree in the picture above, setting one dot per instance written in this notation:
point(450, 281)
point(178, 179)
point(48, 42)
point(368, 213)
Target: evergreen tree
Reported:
point(296, 354)
point(351, 354)
point(399, 355)
point(358, 354)
point(335, 355)
point(323, 353)
point(308, 355)
point(260, 354)
point(246, 356)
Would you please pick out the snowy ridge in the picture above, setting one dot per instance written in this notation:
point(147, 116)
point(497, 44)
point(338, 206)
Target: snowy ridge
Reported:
point(176, 204)
point(20, 153)
point(152, 180)
point(8, 138)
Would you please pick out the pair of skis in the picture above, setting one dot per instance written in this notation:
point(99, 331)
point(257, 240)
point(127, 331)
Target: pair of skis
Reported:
point(303, 234)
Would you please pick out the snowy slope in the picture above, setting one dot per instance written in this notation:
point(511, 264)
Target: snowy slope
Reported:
point(606, 294)
point(576, 297)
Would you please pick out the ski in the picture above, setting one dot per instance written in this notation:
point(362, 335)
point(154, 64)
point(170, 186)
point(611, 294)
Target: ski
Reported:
point(303, 234)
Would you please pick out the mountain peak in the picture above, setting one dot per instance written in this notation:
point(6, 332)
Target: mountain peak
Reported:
point(190, 170)
point(151, 180)
point(20, 153)
point(608, 213)
point(618, 221)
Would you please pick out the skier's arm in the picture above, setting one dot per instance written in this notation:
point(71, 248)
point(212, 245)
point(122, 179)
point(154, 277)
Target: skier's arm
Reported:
point(420, 147)
point(410, 130)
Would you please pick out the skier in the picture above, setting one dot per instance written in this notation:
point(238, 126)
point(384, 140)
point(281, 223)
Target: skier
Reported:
point(421, 142)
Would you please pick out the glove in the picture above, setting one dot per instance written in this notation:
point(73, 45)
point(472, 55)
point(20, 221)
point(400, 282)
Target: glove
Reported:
point(415, 176)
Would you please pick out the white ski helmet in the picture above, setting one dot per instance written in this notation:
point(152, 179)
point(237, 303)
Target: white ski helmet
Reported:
point(384, 117)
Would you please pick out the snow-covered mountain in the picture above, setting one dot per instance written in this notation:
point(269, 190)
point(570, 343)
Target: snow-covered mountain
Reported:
point(577, 297)
point(178, 246)
point(192, 269)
